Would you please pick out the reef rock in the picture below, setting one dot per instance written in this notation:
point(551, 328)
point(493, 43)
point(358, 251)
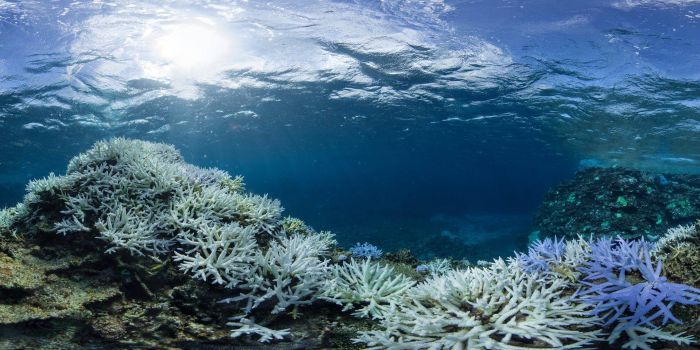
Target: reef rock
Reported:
point(618, 201)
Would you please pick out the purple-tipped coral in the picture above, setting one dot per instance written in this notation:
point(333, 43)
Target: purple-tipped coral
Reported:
point(366, 250)
point(612, 278)
point(542, 254)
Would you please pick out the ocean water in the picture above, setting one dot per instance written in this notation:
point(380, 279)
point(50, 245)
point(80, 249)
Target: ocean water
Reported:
point(424, 124)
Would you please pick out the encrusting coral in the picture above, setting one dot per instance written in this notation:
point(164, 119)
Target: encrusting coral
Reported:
point(148, 213)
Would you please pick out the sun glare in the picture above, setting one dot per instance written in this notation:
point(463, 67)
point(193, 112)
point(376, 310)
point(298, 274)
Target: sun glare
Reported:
point(192, 46)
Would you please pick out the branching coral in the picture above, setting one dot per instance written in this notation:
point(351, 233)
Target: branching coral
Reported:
point(499, 307)
point(141, 199)
point(439, 267)
point(542, 255)
point(371, 289)
point(222, 254)
point(366, 251)
point(7, 219)
point(676, 237)
point(555, 258)
point(244, 326)
point(622, 283)
point(290, 273)
point(125, 230)
point(628, 290)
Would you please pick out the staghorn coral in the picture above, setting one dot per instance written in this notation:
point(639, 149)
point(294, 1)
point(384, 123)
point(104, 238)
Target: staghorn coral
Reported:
point(244, 326)
point(292, 225)
point(496, 307)
point(376, 288)
point(438, 267)
point(683, 237)
point(223, 253)
point(680, 251)
point(542, 255)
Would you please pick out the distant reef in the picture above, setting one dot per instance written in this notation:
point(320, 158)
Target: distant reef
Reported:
point(618, 201)
point(133, 248)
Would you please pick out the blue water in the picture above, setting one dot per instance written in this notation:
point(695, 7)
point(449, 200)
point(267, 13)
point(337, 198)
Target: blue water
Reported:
point(432, 125)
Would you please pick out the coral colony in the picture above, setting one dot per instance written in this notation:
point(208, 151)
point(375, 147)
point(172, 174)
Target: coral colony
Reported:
point(366, 251)
point(142, 198)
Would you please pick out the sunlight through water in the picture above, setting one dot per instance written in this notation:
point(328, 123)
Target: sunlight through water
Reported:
point(192, 46)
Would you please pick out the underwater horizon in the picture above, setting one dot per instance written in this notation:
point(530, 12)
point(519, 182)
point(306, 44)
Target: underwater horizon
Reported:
point(410, 170)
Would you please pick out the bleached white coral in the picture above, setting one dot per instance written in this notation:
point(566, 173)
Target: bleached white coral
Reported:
point(674, 237)
point(197, 205)
point(259, 211)
point(124, 151)
point(141, 197)
point(7, 218)
point(224, 254)
point(369, 288)
point(124, 230)
point(640, 337)
point(290, 273)
point(244, 326)
point(52, 184)
point(439, 266)
point(498, 307)
point(576, 252)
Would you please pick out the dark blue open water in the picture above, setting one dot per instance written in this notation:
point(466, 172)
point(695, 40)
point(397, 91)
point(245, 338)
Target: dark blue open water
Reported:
point(432, 125)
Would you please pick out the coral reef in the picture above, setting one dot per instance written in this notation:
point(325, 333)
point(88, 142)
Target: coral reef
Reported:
point(133, 216)
point(133, 247)
point(618, 202)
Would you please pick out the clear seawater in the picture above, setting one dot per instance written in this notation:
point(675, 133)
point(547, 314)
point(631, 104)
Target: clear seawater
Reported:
point(396, 122)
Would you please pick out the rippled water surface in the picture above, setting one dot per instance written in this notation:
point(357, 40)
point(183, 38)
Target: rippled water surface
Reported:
point(385, 121)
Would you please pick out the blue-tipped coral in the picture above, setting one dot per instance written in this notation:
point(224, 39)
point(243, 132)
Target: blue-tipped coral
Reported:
point(543, 255)
point(366, 251)
point(629, 291)
point(619, 279)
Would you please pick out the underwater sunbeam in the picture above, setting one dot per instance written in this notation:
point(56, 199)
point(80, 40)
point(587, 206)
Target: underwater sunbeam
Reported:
point(192, 46)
